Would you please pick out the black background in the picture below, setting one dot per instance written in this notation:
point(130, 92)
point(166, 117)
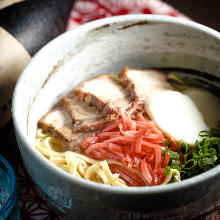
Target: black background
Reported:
point(206, 12)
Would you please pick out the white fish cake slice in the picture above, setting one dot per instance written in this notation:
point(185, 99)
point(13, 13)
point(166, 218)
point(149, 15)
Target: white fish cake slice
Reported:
point(207, 103)
point(176, 115)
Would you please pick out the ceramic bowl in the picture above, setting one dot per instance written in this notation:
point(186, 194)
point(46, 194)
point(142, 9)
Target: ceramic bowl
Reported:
point(106, 46)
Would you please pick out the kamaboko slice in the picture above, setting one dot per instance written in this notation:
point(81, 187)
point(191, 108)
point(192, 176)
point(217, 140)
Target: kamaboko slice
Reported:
point(176, 115)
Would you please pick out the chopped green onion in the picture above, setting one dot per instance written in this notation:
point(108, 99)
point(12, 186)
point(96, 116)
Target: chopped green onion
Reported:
point(174, 163)
point(166, 143)
point(167, 170)
point(204, 155)
point(193, 160)
point(173, 155)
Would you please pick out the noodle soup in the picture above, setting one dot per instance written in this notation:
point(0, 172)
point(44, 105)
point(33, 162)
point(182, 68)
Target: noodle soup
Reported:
point(117, 130)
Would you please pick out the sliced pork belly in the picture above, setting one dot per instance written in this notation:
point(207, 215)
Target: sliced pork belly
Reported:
point(103, 92)
point(59, 122)
point(85, 117)
point(73, 140)
point(54, 119)
point(143, 82)
point(174, 113)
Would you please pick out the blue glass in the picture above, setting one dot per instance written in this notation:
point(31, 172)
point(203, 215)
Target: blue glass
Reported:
point(9, 209)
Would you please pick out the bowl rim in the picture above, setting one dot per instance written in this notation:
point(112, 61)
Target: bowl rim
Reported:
point(28, 146)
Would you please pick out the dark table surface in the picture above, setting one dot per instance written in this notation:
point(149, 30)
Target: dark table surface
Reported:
point(206, 12)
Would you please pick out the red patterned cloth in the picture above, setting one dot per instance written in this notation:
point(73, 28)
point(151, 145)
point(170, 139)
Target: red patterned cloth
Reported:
point(88, 10)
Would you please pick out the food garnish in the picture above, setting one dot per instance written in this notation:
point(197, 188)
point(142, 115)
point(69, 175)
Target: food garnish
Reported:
point(134, 141)
point(198, 158)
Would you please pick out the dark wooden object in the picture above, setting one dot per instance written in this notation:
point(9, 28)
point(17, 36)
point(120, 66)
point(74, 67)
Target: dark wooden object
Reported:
point(36, 22)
